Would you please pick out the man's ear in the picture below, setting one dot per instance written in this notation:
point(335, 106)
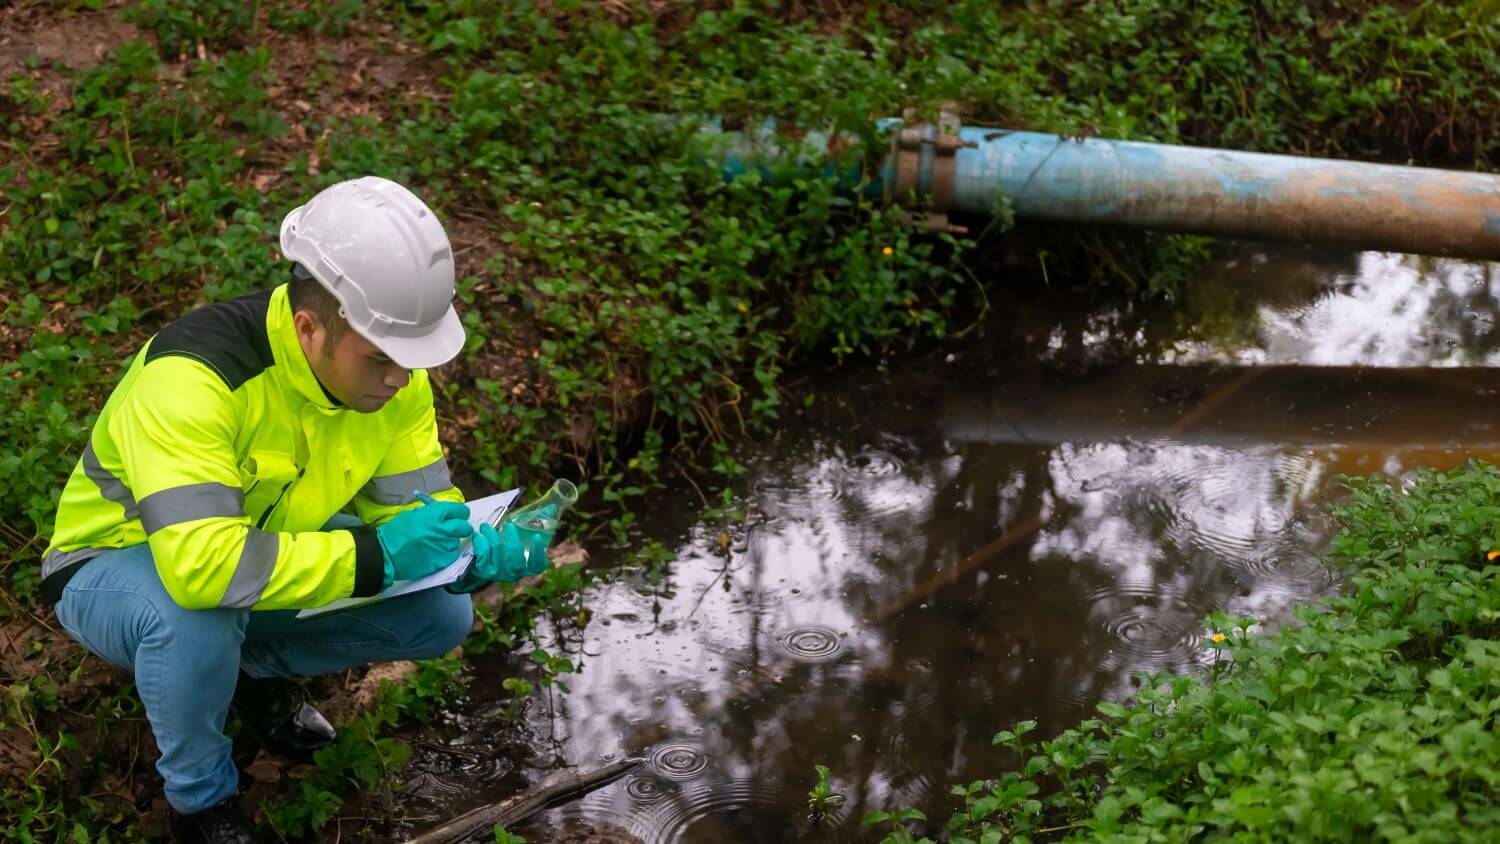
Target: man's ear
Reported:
point(309, 328)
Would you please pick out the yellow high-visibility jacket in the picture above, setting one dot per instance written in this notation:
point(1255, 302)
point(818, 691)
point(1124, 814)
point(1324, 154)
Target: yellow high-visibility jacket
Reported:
point(221, 449)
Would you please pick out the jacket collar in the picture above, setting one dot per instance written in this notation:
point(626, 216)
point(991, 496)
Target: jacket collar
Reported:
point(292, 367)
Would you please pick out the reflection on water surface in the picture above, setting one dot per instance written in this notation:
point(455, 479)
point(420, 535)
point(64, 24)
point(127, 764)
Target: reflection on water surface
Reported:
point(937, 553)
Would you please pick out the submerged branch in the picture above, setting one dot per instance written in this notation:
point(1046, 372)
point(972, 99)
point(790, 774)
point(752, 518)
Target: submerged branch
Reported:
point(512, 810)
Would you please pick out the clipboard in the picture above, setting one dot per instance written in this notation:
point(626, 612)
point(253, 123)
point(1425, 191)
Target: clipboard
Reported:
point(490, 509)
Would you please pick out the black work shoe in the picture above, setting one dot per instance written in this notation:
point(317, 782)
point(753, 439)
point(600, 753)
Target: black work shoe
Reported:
point(219, 824)
point(275, 715)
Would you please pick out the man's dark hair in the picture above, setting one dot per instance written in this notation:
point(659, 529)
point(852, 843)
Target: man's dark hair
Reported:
point(306, 293)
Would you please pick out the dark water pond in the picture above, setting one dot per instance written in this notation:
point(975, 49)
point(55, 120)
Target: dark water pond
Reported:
point(1003, 532)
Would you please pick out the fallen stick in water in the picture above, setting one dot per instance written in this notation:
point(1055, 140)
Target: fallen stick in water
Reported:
point(1034, 523)
point(519, 807)
point(922, 591)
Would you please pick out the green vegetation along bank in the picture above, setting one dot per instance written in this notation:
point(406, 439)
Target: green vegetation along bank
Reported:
point(1369, 719)
point(624, 305)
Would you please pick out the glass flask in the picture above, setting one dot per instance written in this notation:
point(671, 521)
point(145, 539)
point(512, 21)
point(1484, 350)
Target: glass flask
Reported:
point(534, 523)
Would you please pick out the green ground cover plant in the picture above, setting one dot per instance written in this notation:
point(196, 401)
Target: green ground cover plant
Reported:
point(821, 798)
point(627, 309)
point(1370, 718)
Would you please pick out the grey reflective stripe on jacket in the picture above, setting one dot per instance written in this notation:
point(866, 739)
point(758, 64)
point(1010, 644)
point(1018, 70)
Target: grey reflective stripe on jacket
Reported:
point(113, 489)
point(110, 486)
point(190, 502)
point(396, 490)
point(253, 570)
point(59, 560)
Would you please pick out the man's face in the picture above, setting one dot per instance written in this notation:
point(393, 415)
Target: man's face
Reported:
point(357, 373)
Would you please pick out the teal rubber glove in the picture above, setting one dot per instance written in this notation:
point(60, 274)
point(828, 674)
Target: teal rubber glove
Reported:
point(419, 541)
point(504, 556)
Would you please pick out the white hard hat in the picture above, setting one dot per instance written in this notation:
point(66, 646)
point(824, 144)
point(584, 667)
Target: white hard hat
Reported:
point(383, 254)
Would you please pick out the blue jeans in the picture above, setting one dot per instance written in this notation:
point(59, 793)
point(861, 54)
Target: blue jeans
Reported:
point(187, 662)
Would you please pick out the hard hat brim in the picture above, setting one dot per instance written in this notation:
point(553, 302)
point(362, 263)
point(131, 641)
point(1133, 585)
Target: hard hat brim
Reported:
point(435, 348)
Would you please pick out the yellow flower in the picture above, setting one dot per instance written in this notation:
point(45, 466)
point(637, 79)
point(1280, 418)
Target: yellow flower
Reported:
point(886, 251)
point(743, 307)
point(1218, 637)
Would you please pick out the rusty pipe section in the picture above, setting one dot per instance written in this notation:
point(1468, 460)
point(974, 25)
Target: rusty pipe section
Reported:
point(1234, 194)
point(942, 167)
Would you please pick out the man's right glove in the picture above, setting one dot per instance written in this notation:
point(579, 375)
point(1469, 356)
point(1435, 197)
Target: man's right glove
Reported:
point(504, 556)
point(419, 541)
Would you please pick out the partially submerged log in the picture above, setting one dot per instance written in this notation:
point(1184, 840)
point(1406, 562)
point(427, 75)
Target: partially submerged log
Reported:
point(512, 810)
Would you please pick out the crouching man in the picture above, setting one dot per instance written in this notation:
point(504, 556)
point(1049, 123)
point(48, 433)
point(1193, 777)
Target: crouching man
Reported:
point(264, 455)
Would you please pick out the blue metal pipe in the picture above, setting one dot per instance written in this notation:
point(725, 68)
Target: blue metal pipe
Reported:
point(776, 154)
point(1159, 186)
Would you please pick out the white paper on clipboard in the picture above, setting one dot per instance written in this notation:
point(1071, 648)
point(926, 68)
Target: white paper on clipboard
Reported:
point(488, 509)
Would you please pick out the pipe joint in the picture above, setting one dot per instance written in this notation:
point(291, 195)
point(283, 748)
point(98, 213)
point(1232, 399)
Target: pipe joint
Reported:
point(921, 149)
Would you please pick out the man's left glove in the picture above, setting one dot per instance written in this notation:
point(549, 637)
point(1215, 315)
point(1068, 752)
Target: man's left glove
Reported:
point(504, 556)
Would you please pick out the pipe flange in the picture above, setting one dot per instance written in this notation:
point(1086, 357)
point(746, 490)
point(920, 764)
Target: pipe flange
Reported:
point(907, 148)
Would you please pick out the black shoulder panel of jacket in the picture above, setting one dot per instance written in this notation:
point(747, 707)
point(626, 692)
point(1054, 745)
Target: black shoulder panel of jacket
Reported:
point(228, 337)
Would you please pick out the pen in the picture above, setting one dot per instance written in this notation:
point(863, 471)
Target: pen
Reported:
point(493, 521)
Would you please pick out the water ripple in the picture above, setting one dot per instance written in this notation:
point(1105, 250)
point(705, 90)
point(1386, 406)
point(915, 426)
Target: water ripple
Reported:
point(812, 643)
point(441, 778)
point(874, 464)
point(678, 761)
point(646, 790)
point(909, 750)
point(1147, 633)
point(1217, 504)
point(733, 811)
point(863, 479)
point(1289, 563)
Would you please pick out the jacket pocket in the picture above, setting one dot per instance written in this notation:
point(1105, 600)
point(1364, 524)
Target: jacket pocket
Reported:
point(265, 477)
